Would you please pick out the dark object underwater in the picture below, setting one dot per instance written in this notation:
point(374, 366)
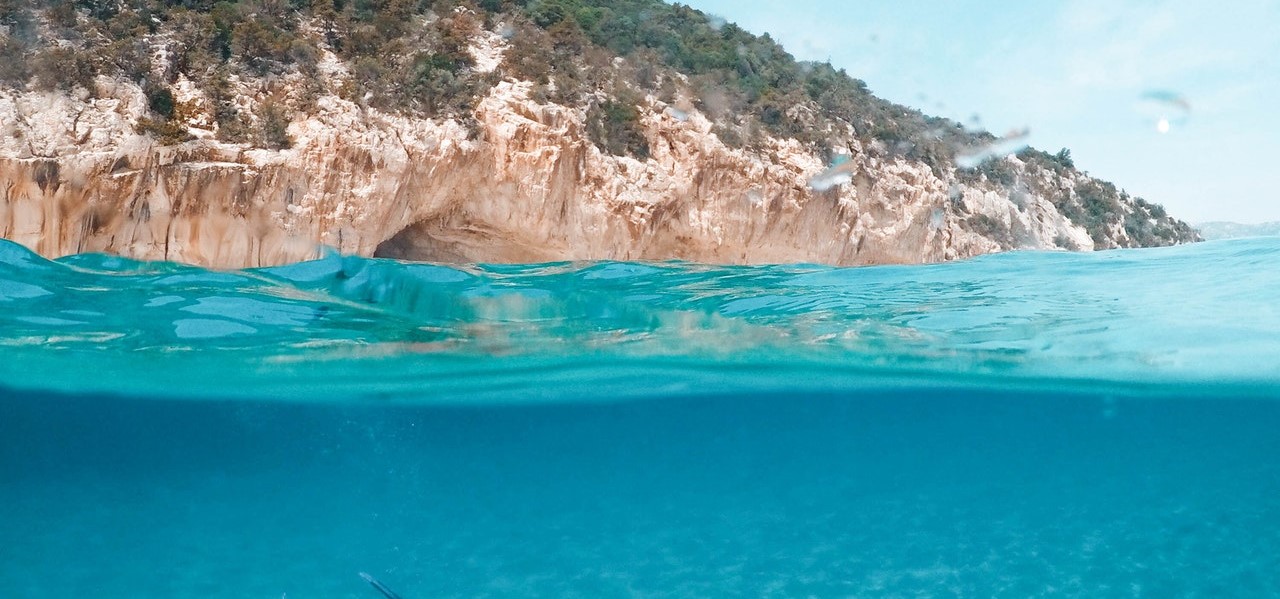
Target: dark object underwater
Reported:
point(377, 584)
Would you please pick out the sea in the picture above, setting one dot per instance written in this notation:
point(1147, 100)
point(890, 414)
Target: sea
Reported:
point(1028, 424)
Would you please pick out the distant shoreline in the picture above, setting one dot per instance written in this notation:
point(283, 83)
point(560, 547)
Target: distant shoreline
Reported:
point(1229, 230)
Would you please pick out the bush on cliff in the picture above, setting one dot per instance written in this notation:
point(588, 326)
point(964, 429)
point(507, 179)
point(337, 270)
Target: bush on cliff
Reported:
point(165, 131)
point(614, 126)
point(63, 68)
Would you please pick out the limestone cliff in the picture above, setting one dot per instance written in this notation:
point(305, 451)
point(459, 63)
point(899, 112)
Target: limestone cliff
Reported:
point(519, 180)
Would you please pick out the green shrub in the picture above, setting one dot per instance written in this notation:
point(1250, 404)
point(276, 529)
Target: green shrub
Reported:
point(63, 68)
point(13, 62)
point(999, 171)
point(15, 15)
point(991, 228)
point(260, 46)
point(273, 126)
point(166, 132)
point(232, 126)
point(61, 13)
point(160, 100)
point(614, 126)
point(729, 136)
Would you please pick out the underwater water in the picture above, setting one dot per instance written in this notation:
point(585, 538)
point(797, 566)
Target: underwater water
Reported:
point(1023, 424)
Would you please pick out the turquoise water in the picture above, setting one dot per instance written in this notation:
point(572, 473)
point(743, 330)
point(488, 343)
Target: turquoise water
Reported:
point(1017, 425)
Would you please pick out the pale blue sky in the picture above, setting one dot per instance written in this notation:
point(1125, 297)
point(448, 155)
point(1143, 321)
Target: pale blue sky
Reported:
point(1074, 73)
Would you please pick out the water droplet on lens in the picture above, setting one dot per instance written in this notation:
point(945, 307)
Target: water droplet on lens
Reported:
point(680, 109)
point(1164, 109)
point(936, 219)
point(1108, 407)
point(840, 172)
point(1012, 142)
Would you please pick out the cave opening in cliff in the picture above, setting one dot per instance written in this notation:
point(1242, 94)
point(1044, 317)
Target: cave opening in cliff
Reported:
point(421, 242)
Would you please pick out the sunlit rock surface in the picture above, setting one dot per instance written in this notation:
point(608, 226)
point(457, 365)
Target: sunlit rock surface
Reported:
point(523, 183)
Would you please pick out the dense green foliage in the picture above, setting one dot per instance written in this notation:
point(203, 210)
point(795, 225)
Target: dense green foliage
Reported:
point(612, 125)
point(1101, 208)
point(395, 64)
point(412, 56)
point(749, 83)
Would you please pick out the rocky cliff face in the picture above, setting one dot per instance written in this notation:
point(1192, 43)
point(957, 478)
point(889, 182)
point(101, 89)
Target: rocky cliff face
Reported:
point(521, 183)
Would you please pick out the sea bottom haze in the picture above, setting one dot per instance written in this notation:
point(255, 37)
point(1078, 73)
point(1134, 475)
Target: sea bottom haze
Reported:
point(1018, 425)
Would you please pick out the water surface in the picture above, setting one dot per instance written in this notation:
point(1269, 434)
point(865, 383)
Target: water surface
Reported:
point(1016, 425)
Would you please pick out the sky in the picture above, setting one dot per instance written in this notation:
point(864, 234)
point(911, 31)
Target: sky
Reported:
point(1080, 75)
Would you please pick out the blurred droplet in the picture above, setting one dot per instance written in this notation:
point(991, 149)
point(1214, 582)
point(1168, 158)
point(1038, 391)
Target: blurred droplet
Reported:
point(1164, 109)
point(1108, 407)
point(1168, 98)
point(840, 172)
point(714, 102)
point(681, 108)
point(936, 219)
point(1012, 142)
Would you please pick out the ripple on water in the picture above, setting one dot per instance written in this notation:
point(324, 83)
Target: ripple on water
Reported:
point(207, 328)
point(1194, 314)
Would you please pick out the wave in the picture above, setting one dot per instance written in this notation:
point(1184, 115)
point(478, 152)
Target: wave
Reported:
point(345, 327)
